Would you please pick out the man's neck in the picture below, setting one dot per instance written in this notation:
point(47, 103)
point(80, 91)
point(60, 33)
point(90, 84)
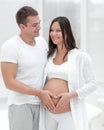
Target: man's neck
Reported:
point(27, 40)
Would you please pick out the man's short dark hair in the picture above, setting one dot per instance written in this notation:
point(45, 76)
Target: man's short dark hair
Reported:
point(23, 13)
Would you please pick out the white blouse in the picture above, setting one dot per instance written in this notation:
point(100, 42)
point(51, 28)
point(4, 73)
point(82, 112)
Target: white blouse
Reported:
point(80, 79)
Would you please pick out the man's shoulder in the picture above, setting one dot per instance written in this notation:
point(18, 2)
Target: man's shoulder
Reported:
point(12, 39)
point(12, 42)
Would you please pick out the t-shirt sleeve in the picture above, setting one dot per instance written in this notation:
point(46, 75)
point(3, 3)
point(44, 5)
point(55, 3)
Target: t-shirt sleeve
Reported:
point(8, 53)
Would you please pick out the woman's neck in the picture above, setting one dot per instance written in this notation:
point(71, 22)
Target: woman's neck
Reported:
point(61, 49)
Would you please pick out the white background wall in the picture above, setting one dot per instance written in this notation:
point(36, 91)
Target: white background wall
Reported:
point(95, 35)
point(86, 17)
point(87, 20)
point(8, 9)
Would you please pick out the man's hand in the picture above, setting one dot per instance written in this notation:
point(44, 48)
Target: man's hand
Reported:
point(46, 98)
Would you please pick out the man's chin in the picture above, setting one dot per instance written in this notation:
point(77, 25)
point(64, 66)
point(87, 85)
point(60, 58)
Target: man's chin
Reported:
point(36, 35)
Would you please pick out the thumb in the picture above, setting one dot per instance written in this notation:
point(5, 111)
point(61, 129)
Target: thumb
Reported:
point(60, 95)
point(53, 96)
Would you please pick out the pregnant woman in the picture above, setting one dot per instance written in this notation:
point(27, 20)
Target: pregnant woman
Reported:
point(69, 76)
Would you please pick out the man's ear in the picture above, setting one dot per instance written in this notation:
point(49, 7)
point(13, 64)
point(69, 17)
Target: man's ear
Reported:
point(22, 26)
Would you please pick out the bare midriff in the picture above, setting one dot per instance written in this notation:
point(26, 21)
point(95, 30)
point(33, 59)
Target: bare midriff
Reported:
point(58, 86)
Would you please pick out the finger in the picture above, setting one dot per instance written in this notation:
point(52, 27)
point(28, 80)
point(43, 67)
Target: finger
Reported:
point(60, 95)
point(53, 96)
point(48, 108)
point(60, 104)
point(49, 105)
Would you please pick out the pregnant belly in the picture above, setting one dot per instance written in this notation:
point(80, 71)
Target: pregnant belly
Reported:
point(57, 86)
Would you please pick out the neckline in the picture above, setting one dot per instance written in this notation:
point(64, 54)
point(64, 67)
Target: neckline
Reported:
point(58, 64)
point(25, 43)
point(54, 57)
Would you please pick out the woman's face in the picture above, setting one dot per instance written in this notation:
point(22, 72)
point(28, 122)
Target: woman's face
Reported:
point(56, 34)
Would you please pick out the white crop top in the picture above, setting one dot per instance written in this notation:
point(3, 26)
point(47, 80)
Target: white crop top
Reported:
point(57, 71)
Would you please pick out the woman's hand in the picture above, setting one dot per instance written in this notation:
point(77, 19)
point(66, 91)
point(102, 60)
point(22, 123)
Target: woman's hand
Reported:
point(64, 102)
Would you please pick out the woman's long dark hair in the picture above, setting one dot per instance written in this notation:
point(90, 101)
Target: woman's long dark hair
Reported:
point(67, 34)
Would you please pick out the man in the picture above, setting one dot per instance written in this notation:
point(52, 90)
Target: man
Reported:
point(23, 58)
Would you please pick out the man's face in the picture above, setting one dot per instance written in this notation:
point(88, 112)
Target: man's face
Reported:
point(32, 27)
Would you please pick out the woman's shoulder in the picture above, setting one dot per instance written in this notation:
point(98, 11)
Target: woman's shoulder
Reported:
point(83, 54)
point(80, 54)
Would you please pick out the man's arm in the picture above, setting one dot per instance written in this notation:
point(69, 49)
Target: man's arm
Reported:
point(9, 71)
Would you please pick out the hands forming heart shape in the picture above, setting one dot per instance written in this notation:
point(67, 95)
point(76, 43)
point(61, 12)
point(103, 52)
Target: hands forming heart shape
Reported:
point(61, 103)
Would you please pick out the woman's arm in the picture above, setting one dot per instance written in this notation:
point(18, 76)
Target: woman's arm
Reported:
point(89, 78)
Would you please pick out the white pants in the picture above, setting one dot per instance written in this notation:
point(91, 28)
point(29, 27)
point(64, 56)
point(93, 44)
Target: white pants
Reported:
point(61, 121)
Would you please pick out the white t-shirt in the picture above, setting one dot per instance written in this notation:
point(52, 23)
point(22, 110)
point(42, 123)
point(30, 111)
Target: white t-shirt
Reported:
point(31, 61)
